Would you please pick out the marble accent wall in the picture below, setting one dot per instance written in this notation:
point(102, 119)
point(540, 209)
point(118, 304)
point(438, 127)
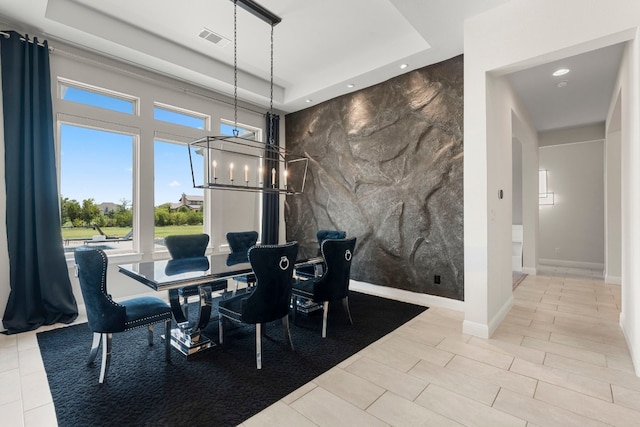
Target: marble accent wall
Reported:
point(386, 166)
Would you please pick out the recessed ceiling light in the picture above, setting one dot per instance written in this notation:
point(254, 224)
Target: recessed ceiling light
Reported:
point(350, 85)
point(562, 83)
point(403, 66)
point(561, 72)
point(308, 100)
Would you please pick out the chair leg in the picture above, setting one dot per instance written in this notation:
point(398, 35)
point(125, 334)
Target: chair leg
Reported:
point(259, 345)
point(287, 331)
point(295, 309)
point(345, 303)
point(150, 334)
point(325, 312)
point(94, 347)
point(221, 329)
point(106, 356)
point(167, 340)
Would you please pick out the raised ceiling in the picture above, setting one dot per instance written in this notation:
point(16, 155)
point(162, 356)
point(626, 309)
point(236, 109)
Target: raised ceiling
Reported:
point(320, 46)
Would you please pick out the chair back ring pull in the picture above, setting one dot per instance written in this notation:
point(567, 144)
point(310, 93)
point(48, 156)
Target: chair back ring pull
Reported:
point(347, 255)
point(284, 263)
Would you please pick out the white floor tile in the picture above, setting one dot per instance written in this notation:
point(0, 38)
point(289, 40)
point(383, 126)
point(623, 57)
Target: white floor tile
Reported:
point(559, 358)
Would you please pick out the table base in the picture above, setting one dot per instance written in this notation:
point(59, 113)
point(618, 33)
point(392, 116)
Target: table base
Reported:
point(189, 345)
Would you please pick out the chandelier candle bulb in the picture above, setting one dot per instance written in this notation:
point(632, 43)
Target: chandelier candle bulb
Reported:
point(246, 173)
point(273, 176)
point(215, 165)
point(231, 171)
point(284, 178)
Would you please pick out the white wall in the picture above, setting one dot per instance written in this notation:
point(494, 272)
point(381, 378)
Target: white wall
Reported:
point(487, 217)
point(516, 173)
point(613, 202)
point(629, 111)
point(572, 229)
point(590, 132)
point(512, 37)
point(523, 131)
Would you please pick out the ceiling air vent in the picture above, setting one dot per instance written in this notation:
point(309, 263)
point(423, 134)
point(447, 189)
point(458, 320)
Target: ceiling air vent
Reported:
point(214, 38)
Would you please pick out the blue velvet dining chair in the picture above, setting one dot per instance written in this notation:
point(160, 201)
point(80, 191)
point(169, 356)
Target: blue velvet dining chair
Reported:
point(309, 271)
point(182, 246)
point(333, 285)
point(106, 316)
point(239, 243)
point(270, 298)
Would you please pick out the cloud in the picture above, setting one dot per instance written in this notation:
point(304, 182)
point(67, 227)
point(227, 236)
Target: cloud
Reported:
point(174, 184)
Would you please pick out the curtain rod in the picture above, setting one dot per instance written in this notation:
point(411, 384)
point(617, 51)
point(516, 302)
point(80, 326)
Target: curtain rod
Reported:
point(25, 39)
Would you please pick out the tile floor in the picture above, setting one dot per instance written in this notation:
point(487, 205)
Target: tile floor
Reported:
point(558, 359)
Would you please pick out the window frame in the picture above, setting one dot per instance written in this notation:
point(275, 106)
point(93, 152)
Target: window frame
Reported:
point(206, 118)
point(62, 81)
point(147, 89)
point(85, 122)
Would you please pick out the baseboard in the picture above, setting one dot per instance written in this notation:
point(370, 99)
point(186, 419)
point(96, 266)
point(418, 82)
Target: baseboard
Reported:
point(406, 296)
point(475, 329)
point(500, 315)
point(635, 357)
point(485, 331)
point(572, 264)
point(529, 270)
point(613, 280)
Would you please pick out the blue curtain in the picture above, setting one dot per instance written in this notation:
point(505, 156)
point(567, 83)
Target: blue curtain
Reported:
point(40, 287)
point(270, 201)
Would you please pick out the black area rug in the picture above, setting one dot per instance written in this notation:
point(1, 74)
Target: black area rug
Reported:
point(218, 387)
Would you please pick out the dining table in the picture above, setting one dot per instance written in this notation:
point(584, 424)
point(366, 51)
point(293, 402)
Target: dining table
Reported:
point(209, 274)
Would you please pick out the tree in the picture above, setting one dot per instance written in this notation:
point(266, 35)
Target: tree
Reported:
point(163, 218)
point(123, 218)
point(89, 211)
point(124, 205)
point(194, 217)
point(71, 210)
point(179, 218)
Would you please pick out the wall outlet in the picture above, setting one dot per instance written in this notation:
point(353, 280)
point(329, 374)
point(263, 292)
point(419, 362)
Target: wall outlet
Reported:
point(436, 279)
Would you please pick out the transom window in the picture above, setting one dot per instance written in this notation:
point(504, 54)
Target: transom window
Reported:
point(179, 116)
point(96, 97)
point(244, 131)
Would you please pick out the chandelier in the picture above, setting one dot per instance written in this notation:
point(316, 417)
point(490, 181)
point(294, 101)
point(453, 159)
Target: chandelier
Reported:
point(237, 162)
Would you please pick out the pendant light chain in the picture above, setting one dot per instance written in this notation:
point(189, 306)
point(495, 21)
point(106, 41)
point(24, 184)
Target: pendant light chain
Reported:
point(271, 95)
point(235, 68)
point(271, 131)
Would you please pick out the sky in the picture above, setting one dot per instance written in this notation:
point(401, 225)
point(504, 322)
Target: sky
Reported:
point(98, 164)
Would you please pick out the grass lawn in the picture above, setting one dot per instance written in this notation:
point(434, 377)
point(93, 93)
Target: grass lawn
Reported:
point(87, 233)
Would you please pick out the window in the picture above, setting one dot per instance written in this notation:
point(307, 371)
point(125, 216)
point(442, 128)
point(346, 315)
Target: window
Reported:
point(179, 208)
point(250, 216)
point(96, 187)
point(123, 145)
point(246, 132)
point(97, 97)
point(179, 116)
